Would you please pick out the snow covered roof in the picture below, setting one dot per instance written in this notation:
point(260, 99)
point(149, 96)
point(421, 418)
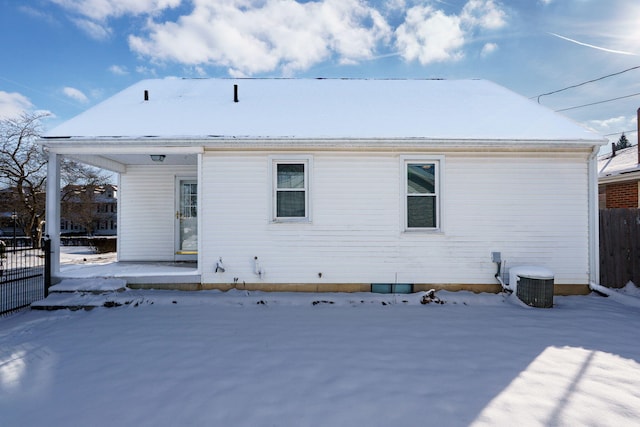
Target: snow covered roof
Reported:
point(624, 162)
point(322, 109)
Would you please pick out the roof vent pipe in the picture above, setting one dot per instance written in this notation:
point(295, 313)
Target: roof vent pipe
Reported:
point(146, 95)
point(235, 93)
point(613, 149)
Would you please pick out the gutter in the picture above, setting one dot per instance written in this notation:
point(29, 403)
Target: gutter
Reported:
point(620, 176)
point(74, 144)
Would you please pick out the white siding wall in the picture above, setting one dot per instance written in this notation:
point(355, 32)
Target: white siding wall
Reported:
point(147, 212)
point(533, 209)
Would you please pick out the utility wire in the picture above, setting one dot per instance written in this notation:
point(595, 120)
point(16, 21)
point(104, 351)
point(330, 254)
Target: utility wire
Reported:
point(584, 83)
point(618, 133)
point(599, 102)
point(57, 98)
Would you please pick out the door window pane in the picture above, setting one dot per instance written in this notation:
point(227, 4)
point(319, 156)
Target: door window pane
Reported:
point(188, 218)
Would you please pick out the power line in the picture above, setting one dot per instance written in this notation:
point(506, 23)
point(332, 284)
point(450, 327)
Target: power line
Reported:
point(599, 102)
point(619, 133)
point(39, 91)
point(584, 83)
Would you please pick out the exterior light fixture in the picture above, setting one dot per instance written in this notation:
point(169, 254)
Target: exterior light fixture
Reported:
point(158, 157)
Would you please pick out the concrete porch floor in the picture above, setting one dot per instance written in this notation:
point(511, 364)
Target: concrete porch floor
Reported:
point(82, 263)
point(136, 271)
point(141, 273)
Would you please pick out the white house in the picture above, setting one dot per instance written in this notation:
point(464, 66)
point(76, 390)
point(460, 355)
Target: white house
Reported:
point(338, 184)
point(619, 178)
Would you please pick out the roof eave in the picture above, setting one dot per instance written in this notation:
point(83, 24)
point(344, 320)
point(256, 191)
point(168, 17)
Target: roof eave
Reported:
point(626, 175)
point(196, 144)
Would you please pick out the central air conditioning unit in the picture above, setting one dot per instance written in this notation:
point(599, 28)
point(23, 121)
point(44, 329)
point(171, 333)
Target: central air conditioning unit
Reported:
point(532, 285)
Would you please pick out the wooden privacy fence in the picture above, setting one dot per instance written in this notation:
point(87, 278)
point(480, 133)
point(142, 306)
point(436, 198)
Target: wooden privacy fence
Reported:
point(619, 247)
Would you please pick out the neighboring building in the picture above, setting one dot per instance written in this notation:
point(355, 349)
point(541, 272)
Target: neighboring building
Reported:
point(99, 208)
point(619, 178)
point(338, 184)
point(7, 212)
point(89, 210)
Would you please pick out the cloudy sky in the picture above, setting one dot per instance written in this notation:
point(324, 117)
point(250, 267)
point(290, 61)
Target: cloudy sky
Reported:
point(63, 56)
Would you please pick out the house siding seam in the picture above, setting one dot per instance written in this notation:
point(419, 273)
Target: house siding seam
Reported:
point(489, 203)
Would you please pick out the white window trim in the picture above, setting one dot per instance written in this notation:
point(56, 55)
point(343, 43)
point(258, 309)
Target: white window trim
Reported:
point(439, 161)
point(274, 160)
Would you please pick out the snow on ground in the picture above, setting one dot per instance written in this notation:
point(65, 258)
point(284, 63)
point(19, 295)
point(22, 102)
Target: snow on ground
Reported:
point(84, 255)
point(281, 359)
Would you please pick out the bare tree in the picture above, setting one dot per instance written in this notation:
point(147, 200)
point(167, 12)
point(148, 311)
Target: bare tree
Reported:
point(80, 206)
point(23, 171)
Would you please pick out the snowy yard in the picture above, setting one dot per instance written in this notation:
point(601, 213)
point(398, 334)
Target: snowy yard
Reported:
point(237, 359)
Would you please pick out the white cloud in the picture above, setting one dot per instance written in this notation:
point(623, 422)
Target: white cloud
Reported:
point(141, 69)
point(13, 104)
point(91, 15)
point(100, 10)
point(256, 37)
point(75, 94)
point(118, 70)
point(613, 124)
point(488, 49)
point(200, 71)
point(262, 36)
point(38, 14)
point(93, 29)
point(612, 128)
point(483, 14)
point(429, 35)
point(395, 4)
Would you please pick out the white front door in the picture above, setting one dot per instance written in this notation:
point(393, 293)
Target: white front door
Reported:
point(186, 236)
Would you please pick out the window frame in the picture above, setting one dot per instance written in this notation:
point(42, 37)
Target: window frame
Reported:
point(307, 162)
point(438, 162)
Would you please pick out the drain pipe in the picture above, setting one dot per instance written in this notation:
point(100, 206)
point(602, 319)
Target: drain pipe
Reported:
point(257, 268)
point(498, 276)
point(594, 237)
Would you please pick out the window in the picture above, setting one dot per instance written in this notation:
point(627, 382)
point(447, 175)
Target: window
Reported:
point(291, 189)
point(422, 195)
point(392, 288)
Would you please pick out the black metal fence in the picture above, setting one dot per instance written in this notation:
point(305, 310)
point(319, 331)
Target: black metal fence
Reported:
point(25, 276)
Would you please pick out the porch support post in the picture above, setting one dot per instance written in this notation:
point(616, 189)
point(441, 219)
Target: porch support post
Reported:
point(200, 216)
point(52, 225)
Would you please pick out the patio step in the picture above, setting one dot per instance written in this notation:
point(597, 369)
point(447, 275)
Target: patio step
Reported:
point(77, 294)
point(95, 285)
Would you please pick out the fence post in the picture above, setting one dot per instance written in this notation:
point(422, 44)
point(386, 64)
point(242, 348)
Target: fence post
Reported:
point(47, 265)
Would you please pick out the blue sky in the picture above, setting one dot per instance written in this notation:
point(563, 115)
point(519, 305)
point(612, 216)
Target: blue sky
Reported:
point(63, 56)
